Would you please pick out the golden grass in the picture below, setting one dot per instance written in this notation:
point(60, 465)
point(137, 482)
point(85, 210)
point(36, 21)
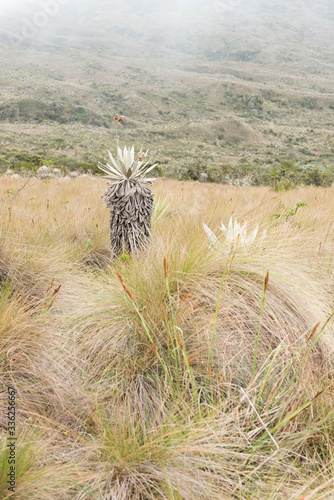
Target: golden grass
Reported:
point(180, 376)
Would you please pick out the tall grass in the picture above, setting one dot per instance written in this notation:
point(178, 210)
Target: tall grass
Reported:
point(184, 372)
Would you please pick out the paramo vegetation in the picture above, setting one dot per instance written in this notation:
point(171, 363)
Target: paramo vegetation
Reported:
point(189, 370)
point(280, 175)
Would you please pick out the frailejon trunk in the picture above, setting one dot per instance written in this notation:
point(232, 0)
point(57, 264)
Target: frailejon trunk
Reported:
point(131, 206)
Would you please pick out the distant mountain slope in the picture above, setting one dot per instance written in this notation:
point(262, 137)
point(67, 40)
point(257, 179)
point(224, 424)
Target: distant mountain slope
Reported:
point(265, 31)
point(229, 78)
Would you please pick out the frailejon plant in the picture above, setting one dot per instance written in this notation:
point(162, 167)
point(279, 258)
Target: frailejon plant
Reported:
point(129, 200)
point(233, 233)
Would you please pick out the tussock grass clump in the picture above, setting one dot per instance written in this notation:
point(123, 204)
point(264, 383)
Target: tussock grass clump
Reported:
point(185, 371)
point(40, 470)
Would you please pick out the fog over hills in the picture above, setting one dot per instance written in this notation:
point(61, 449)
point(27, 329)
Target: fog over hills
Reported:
point(233, 77)
point(264, 31)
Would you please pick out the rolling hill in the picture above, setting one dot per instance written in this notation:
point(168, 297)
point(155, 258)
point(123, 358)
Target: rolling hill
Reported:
point(221, 82)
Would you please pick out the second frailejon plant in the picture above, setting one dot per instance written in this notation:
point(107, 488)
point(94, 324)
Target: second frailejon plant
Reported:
point(129, 200)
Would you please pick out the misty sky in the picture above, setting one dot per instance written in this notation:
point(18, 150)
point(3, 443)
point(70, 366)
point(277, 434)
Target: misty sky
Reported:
point(21, 7)
point(152, 16)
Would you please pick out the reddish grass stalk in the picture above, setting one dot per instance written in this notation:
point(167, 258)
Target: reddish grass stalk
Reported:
point(120, 277)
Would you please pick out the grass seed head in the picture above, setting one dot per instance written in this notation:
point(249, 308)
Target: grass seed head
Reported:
point(166, 267)
point(120, 277)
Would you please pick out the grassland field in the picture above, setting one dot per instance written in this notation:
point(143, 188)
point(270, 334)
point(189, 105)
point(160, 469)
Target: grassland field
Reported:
point(203, 373)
